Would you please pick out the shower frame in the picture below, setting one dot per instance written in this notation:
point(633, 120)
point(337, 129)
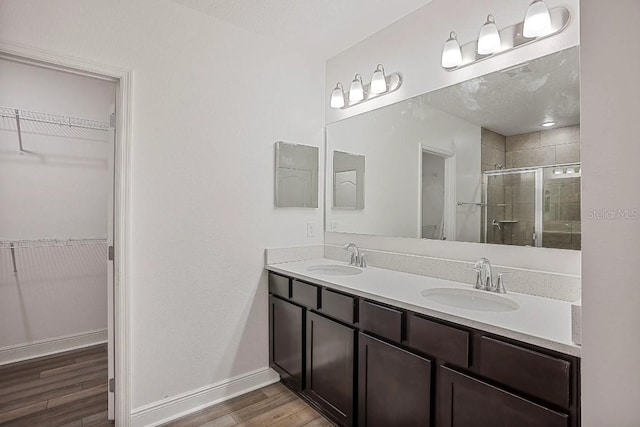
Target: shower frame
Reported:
point(538, 199)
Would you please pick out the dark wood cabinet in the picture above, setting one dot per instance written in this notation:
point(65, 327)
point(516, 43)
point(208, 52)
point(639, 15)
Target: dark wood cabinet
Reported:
point(286, 341)
point(468, 402)
point(371, 364)
point(394, 386)
point(330, 367)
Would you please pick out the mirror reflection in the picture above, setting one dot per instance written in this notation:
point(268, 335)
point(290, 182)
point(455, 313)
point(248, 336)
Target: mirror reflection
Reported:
point(296, 184)
point(348, 181)
point(495, 159)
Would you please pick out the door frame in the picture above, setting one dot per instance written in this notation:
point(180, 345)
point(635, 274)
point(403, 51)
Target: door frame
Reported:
point(450, 199)
point(121, 199)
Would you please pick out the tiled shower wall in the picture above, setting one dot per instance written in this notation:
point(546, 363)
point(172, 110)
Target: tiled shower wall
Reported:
point(492, 157)
point(548, 147)
point(513, 196)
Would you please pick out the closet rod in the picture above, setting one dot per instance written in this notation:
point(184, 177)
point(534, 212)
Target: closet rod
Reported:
point(38, 243)
point(35, 116)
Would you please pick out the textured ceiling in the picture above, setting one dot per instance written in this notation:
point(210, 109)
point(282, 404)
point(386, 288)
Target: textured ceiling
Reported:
point(325, 27)
point(519, 99)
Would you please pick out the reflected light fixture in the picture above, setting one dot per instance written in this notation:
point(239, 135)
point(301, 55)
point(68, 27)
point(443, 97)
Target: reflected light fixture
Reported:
point(378, 80)
point(451, 53)
point(489, 38)
point(548, 124)
point(356, 91)
point(337, 96)
point(537, 20)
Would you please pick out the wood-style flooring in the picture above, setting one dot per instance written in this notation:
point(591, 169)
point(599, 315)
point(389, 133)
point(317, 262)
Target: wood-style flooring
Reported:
point(66, 389)
point(272, 406)
point(70, 389)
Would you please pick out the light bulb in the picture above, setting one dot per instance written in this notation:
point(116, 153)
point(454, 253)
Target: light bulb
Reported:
point(537, 20)
point(356, 91)
point(337, 96)
point(489, 38)
point(548, 124)
point(451, 52)
point(378, 80)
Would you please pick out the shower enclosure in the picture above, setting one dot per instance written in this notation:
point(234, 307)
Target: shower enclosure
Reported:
point(533, 206)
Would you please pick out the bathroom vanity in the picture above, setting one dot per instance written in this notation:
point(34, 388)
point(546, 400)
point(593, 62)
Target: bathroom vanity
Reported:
point(372, 355)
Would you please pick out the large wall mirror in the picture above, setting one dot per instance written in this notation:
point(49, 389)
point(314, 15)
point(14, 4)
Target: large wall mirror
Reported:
point(495, 159)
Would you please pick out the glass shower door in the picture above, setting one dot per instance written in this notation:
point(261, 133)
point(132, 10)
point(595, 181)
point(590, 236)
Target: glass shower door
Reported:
point(510, 207)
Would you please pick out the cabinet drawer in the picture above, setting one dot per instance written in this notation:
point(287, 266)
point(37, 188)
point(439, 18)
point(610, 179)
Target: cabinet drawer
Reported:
point(304, 293)
point(383, 321)
point(439, 341)
point(338, 306)
point(536, 374)
point(279, 285)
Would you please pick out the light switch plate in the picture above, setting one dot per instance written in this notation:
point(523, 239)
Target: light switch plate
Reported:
point(311, 229)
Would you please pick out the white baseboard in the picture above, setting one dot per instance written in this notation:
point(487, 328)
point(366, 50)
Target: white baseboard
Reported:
point(16, 353)
point(178, 406)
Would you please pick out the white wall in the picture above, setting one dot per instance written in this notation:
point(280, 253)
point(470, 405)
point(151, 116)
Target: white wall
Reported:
point(57, 189)
point(391, 139)
point(210, 100)
point(610, 246)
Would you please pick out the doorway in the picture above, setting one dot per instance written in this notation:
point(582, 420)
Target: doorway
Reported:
point(112, 245)
point(437, 195)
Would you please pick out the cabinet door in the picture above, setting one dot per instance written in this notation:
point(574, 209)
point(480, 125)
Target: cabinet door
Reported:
point(394, 386)
point(286, 340)
point(331, 367)
point(468, 402)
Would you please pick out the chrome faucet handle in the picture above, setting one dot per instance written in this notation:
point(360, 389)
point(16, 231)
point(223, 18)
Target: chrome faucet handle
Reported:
point(479, 284)
point(500, 283)
point(363, 262)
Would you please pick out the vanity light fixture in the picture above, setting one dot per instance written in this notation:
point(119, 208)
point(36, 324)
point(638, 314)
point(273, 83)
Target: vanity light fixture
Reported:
point(381, 84)
point(548, 124)
point(451, 53)
point(537, 20)
point(337, 96)
point(489, 38)
point(379, 80)
point(356, 91)
point(539, 23)
point(558, 172)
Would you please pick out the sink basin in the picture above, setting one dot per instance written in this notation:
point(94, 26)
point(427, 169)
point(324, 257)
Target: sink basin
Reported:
point(470, 299)
point(335, 270)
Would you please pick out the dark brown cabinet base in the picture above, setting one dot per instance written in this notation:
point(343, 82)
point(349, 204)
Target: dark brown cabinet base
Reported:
point(469, 402)
point(393, 386)
point(369, 364)
point(286, 339)
point(331, 367)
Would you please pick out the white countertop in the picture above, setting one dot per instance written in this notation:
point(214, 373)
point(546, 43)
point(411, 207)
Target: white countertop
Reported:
point(544, 322)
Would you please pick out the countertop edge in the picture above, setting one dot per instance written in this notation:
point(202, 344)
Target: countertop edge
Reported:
point(568, 349)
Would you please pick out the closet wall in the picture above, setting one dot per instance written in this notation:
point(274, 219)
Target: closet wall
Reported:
point(58, 188)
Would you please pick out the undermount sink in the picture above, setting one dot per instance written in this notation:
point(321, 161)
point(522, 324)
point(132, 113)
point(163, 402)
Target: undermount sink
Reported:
point(335, 270)
point(470, 299)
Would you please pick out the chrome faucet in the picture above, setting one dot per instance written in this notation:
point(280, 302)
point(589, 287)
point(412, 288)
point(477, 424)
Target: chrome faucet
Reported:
point(484, 277)
point(357, 256)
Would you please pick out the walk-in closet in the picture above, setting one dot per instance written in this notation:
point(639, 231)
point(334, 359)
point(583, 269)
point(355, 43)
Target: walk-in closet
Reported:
point(56, 186)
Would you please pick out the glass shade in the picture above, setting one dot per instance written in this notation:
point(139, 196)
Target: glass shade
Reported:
point(356, 91)
point(537, 21)
point(337, 97)
point(451, 53)
point(489, 38)
point(378, 80)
